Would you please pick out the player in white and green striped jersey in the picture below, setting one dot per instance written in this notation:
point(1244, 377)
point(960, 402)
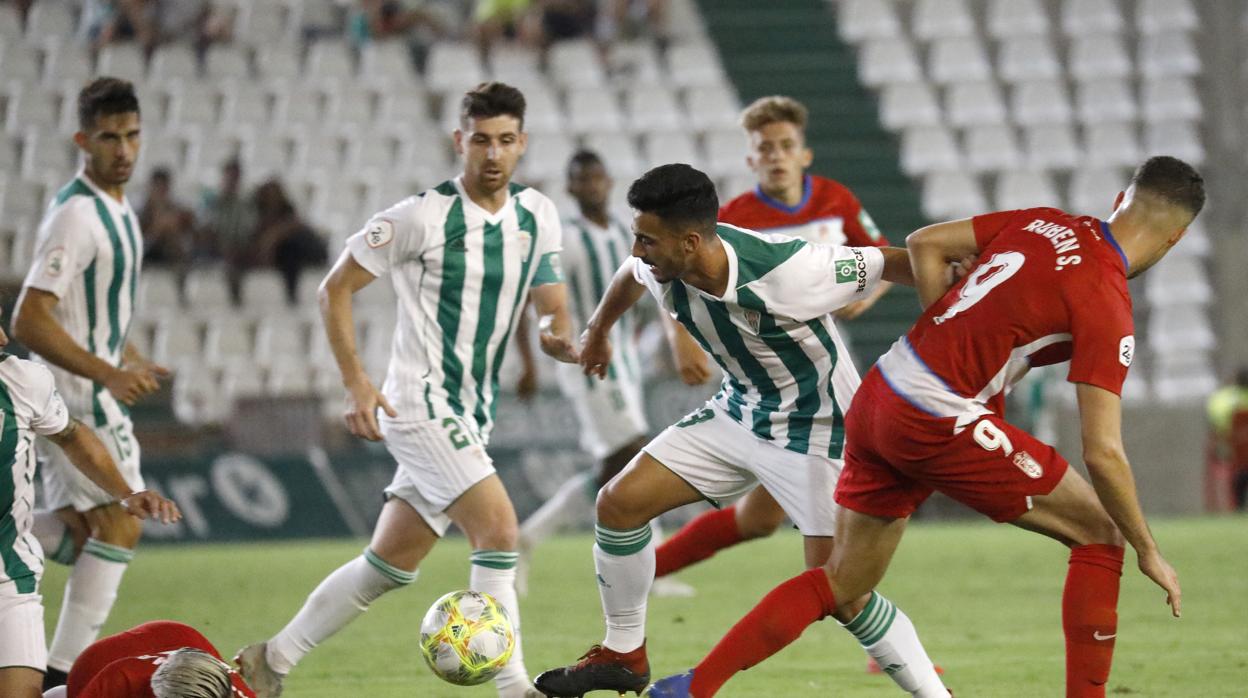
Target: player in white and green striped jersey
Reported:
point(463, 258)
point(761, 306)
point(74, 314)
point(610, 412)
point(30, 405)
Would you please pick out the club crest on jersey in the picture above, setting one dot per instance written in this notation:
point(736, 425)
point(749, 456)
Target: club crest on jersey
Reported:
point(379, 234)
point(55, 261)
point(526, 241)
point(1126, 350)
point(1030, 466)
point(752, 318)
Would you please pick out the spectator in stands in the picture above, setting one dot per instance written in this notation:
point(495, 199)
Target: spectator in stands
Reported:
point(153, 22)
point(1228, 433)
point(227, 220)
point(282, 239)
point(378, 20)
point(168, 226)
point(535, 23)
point(630, 18)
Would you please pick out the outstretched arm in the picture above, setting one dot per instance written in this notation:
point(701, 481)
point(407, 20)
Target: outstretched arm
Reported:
point(1100, 414)
point(932, 249)
point(595, 341)
point(554, 323)
point(84, 450)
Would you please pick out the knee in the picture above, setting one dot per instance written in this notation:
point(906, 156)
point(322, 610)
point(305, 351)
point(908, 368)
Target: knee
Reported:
point(1101, 531)
point(116, 527)
point(499, 533)
point(614, 509)
point(752, 523)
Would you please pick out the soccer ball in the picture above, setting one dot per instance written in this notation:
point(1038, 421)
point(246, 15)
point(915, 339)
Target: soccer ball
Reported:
point(466, 637)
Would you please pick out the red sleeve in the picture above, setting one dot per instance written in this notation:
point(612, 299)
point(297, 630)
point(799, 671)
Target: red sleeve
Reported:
point(1103, 339)
point(125, 678)
point(989, 225)
point(148, 638)
point(241, 689)
point(860, 229)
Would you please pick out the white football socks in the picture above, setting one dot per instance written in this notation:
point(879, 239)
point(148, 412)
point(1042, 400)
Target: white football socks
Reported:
point(890, 638)
point(494, 572)
point(572, 503)
point(625, 564)
point(339, 599)
point(89, 596)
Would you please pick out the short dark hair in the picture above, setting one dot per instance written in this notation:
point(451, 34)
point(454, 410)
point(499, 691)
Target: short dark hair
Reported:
point(105, 97)
point(678, 194)
point(490, 99)
point(1172, 180)
point(584, 157)
point(162, 173)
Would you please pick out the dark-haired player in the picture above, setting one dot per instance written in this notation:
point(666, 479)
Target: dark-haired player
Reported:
point(761, 306)
point(463, 257)
point(74, 313)
point(1049, 286)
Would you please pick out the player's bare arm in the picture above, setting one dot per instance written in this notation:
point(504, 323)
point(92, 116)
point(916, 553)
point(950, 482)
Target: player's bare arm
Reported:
point(691, 361)
point(133, 358)
point(1100, 414)
point(89, 455)
point(334, 295)
point(554, 322)
point(596, 340)
point(526, 386)
point(35, 326)
point(932, 250)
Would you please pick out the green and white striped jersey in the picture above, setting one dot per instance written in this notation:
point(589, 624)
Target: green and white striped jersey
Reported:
point(29, 405)
point(462, 276)
point(89, 252)
point(591, 255)
point(787, 375)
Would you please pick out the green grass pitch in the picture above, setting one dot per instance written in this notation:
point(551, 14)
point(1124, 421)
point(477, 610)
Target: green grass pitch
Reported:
point(986, 601)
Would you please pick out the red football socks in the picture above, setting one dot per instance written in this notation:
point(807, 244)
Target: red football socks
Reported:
point(776, 621)
point(697, 540)
point(1090, 617)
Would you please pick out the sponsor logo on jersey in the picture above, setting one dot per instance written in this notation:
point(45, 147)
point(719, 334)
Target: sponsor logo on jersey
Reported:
point(1030, 466)
point(1126, 350)
point(851, 270)
point(526, 240)
point(379, 234)
point(752, 319)
point(55, 261)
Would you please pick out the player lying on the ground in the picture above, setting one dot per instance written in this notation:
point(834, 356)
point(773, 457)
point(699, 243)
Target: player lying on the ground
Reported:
point(1049, 286)
point(761, 306)
point(30, 406)
point(610, 412)
point(158, 659)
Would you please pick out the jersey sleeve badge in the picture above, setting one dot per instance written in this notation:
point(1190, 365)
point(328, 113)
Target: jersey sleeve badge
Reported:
point(1126, 350)
point(379, 234)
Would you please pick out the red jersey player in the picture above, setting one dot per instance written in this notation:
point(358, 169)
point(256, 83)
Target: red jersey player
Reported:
point(139, 662)
point(1050, 286)
point(787, 200)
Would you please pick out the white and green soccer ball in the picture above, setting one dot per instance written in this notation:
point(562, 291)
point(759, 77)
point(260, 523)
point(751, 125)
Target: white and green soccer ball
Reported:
point(466, 637)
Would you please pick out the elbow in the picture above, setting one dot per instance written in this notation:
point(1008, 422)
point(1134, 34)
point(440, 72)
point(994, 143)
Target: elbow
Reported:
point(1102, 456)
point(919, 239)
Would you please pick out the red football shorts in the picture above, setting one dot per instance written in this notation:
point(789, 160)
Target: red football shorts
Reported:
point(896, 455)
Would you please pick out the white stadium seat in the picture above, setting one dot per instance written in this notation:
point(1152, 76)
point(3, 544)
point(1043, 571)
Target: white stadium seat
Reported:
point(860, 20)
point(1178, 280)
point(1091, 17)
point(50, 20)
point(672, 146)
point(279, 64)
point(1177, 138)
point(958, 60)
point(226, 62)
point(1176, 328)
point(929, 149)
point(652, 108)
point(634, 63)
point(1040, 102)
point(1093, 189)
point(1159, 16)
point(575, 64)
point(938, 19)
point(974, 104)
point(122, 61)
point(594, 109)
point(725, 153)
point(904, 106)
point(547, 156)
point(1098, 57)
point(206, 290)
point(330, 59)
point(1052, 147)
point(1168, 55)
point(68, 64)
point(1025, 189)
point(950, 195)
point(694, 64)
point(19, 62)
point(711, 108)
point(619, 152)
point(174, 63)
point(1170, 99)
point(516, 64)
point(453, 68)
point(992, 148)
point(30, 106)
point(885, 61)
point(1105, 101)
point(1028, 58)
point(1015, 18)
point(1112, 144)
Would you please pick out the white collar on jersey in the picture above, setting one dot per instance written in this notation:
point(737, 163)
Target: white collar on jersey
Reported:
point(730, 294)
point(492, 218)
point(123, 205)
